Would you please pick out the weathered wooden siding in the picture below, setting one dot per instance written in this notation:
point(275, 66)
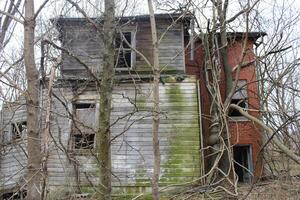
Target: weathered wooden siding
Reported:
point(132, 151)
point(83, 43)
point(179, 135)
point(132, 155)
point(12, 152)
point(82, 40)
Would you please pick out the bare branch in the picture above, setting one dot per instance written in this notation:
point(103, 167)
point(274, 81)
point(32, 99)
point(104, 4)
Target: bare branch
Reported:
point(270, 132)
point(11, 16)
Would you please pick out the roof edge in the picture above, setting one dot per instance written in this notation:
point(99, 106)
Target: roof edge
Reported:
point(168, 16)
point(253, 35)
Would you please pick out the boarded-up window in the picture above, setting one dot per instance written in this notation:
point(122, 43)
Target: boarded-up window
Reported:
point(18, 130)
point(239, 98)
point(124, 55)
point(83, 133)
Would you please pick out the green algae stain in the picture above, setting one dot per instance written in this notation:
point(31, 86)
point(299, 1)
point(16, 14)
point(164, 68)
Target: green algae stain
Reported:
point(141, 102)
point(183, 163)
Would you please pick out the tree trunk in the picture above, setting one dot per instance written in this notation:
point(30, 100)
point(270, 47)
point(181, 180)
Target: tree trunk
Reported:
point(156, 109)
point(32, 102)
point(218, 128)
point(106, 87)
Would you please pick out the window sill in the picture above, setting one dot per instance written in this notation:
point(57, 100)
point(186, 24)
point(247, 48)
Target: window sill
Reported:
point(123, 69)
point(83, 152)
point(238, 119)
point(13, 142)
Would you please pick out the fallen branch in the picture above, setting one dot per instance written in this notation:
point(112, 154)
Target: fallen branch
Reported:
point(270, 132)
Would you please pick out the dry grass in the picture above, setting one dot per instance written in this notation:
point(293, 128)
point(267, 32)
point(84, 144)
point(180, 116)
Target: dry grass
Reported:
point(274, 190)
point(281, 189)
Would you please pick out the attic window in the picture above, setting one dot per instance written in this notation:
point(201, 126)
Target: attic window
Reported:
point(239, 98)
point(18, 129)
point(124, 56)
point(83, 134)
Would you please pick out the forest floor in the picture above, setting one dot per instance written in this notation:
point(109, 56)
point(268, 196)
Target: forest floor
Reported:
point(284, 189)
point(272, 189)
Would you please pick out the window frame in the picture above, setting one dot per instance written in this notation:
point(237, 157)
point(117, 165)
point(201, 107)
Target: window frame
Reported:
point(16, 133)
point(75, 129)
point(132, 52)
point(239, 89)
point(88, 147)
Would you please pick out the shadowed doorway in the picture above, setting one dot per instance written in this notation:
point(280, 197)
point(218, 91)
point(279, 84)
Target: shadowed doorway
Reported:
point(243, 162)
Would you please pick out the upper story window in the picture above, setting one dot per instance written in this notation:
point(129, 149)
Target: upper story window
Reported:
point(83, 134)
point(239, 98)
point(124, 55)
point(18, 130)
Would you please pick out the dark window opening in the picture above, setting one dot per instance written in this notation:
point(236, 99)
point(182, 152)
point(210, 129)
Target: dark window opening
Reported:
point(240, 102)
point(82, 133)
point(120, 40)
point(123, 59)
point(84, 141)
point(84, 105)
point(243, 161)
point(240, 98)
point(18, 129)
point(123, 50)
point(14, 195)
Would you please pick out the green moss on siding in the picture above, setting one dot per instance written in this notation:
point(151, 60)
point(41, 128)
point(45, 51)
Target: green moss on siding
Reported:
point(178, 167)
point(89, 190)
point(183, 162)
point(141, 101)
point(142, 177)
point(183, 159)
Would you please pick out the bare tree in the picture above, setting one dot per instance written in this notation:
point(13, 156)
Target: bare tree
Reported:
point(107, 79)
point(215, 47)
point(278, 69)
point(32, 103)
point(215, 42)
point(156, 109)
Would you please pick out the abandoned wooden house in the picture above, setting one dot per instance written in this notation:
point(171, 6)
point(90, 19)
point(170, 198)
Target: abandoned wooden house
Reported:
point(71, 164)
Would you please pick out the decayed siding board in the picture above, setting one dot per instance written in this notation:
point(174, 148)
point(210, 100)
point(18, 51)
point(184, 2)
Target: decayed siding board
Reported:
point(132, 155)
point(83, 43)
point(12, 152)
point(132, 152)
point(179, 134)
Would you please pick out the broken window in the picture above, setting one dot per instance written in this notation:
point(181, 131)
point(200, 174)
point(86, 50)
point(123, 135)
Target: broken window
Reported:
point(18, 129)
point(124, 54)
point(239, 98)
point(14, 195)
point(83, 134)
point(84, 141)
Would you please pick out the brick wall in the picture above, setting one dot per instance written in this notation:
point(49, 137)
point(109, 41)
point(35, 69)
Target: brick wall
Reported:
point(243, 132)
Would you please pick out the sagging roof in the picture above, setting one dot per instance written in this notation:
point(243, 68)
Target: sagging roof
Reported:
point(186, 17)
point(137, 18)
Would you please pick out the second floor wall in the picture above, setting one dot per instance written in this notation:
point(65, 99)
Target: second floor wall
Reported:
point(84, 41)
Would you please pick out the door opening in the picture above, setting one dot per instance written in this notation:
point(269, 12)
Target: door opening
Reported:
point(243, 162)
